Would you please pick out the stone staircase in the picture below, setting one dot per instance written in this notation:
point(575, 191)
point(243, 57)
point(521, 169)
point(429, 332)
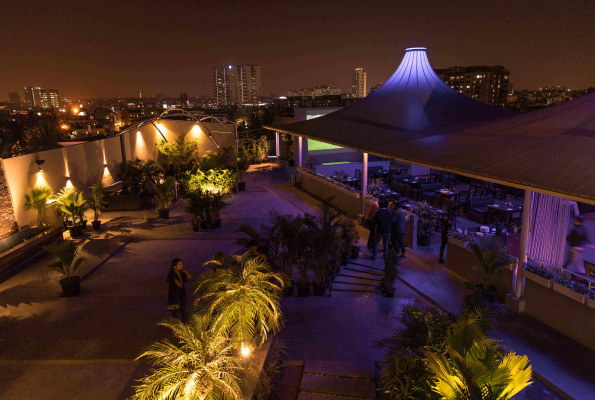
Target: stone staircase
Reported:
point(326, 380)
point(360, 277)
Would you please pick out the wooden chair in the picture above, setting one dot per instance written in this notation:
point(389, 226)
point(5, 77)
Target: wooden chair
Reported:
point(436, 201)
point(479, 192)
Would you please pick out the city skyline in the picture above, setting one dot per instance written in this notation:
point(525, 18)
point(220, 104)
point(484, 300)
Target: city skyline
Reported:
point(79, 56)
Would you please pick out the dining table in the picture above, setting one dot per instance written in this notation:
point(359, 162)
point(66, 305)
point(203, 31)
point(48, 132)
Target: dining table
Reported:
point(503, 212)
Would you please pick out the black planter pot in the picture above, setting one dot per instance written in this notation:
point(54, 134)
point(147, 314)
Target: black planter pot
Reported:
point(71, 287)
point(320, 290)
point(96, 225)
point(85, 224)
point(241, 186)
point(288, 289)
point(344, 259)
point(234, 189)
point(423, 240)
point(354, 252)
point(488, 294)
point(204, 224)
point(195, 226)
point(163, 213)
point(304, 291)
point(291, 163)
point(389, 291)
point(76, 230)
point(218, 223)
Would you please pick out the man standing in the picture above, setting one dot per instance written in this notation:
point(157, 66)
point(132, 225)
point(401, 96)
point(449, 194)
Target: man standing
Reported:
point(448, 222)
point(398, 229)
point(371, 224)
point(500, 230)
point(577, 239)
point(383, 220)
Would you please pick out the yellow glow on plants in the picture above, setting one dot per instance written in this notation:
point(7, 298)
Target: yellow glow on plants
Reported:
point(245, 351)
point(65, 156)
point(69, 184)
point(140, 142)
point(195, 131)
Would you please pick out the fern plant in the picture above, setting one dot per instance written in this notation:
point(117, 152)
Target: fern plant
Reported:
point(201, 364)
point(243, 295)
point(164, 192)
point(36, 200)
point(67, 261)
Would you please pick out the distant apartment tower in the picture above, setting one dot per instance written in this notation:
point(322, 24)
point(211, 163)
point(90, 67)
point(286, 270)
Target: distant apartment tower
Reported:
point(486, 84)
point(316, 91)
point(358, 83)
point(14, 98)
point(236, 84)
point(41, 98)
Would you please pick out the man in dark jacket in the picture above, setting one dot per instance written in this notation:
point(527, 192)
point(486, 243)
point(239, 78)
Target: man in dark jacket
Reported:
point(500, 230)
point(399, 229)
point(384, 222)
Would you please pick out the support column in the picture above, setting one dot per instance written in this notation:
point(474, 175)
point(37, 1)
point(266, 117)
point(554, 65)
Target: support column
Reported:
point(277, 152)
point(518, 289)
point(364, 182)
point(300, 148)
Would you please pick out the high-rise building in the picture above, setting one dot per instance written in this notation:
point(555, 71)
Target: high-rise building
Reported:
point(236, 84)
point(486, 84)
point(41, 98)
point(358, 83)
point(14, 98)
point(316, 91)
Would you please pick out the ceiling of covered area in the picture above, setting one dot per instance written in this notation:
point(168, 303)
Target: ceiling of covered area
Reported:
point(415, 117)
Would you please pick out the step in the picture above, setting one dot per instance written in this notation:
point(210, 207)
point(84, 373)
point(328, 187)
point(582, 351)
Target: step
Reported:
point(312, 396)
point(360, 275)
point(373, 265)
point(364, 270)
point(351, 294)
point(348, 287)
point(334, 385)
point(356, 281)
point(346, 369)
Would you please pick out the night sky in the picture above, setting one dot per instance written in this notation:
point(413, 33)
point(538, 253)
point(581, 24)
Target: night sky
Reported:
point(107, 48)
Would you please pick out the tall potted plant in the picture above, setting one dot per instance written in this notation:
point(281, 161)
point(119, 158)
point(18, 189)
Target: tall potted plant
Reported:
point(72, 204)
point(196, 208)
point(492, 256)
point(427, 220)
point(391, 259)
point(66, 264)
point(289, 147)
point(96, 203)
point(165, 195)
point(242, 165)
point(36, 199)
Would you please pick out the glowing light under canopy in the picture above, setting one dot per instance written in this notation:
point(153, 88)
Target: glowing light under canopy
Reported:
point(415, 48)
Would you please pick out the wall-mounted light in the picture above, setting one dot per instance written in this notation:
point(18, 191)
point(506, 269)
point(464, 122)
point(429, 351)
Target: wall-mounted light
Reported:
point(39, 164)
point(105, 165)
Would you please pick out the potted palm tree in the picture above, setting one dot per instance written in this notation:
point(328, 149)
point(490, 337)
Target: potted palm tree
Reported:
point(165, 195)
point(96, 203)
point(492, 256)
point(391, 259)
point(244, 294)
point(474, 366)
point(36, 199)
point(196, 208)
point(201, 362)
point(427, 220)
point(66, 264)
point(242, 165)
point(72, 204)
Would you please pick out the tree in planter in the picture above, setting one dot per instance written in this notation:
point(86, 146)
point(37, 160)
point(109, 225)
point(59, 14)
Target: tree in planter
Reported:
point(71, 203)
point(197, 205)
point(36, 200)
point(165, 195)
point(391, 259)
point(131, 172)
point(243, 298)
point(263, 147)
point(66, 264)
point(349, 235)
point(179, 155)
point(289, 147)
point(427, 219)
point(97, 202)
point(202, 363)
point(242, 165)
point(473, 367)
point(492, 256)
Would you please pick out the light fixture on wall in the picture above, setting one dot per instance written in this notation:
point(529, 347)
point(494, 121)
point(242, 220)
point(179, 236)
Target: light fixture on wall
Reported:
point(39, 164)
point(105, 165)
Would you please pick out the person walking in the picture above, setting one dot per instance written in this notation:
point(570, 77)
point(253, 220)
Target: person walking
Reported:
point(383, 220)
point(176, 296)
point(448, 222)
point(577, 239)
point(371, 224)
point(398, 229)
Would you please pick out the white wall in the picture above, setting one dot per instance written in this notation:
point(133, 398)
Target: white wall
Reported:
point(83, 163)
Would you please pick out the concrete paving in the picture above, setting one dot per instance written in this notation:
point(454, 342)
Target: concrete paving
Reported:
point(51, 347)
